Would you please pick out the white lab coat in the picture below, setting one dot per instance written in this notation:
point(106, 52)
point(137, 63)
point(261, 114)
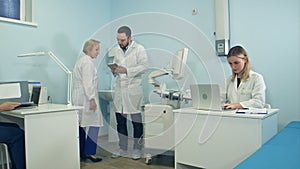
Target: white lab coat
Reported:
point(250, 94)
point(85, 84)
point(128, 95)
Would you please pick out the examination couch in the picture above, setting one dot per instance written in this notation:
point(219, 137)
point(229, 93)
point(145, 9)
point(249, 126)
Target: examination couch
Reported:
point(282, 151)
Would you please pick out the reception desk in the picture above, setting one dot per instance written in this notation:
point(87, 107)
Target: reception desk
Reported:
point(51, 135)
point(219, 140)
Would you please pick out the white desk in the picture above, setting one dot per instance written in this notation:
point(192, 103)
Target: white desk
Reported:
point(219, 140)
point(51, 135)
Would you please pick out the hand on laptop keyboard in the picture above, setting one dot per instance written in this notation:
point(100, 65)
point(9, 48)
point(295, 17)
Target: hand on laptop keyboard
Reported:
point(25, 104)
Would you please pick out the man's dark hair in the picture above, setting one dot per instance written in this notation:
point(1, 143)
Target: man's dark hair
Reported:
point(126, 30)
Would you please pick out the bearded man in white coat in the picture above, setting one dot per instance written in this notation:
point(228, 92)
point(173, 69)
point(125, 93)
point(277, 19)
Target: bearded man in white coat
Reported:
point(132, 63)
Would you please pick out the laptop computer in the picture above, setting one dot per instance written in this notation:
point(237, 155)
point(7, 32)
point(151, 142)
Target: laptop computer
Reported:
point(35, 95)
point(34, 99)
point(206, 97)
point(17, 91)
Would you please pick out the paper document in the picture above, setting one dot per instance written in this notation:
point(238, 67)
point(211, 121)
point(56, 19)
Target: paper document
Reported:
point(10, 90)
point(252, 111)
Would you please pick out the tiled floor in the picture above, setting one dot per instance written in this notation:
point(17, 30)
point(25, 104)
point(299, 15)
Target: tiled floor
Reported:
point(104, 151)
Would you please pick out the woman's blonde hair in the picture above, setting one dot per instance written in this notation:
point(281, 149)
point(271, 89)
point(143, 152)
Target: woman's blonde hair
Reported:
point(89, 45)
point(236, 51)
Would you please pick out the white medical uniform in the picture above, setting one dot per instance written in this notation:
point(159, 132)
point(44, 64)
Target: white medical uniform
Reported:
point(128, 95)
point(250, 94)
point(85, 88)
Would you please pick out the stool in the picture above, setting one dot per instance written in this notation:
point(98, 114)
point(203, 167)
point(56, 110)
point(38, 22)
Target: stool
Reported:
point(4, 154)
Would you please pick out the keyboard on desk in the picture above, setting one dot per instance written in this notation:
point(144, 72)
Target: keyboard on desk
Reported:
point(25, 104)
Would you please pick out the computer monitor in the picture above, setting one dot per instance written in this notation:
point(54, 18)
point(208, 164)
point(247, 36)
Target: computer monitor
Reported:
point(16, 91)
point(178, 63)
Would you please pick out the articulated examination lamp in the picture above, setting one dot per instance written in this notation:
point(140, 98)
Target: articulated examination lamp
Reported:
point(60, 64)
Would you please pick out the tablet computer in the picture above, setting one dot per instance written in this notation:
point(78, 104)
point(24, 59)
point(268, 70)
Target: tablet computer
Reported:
point(112, 65)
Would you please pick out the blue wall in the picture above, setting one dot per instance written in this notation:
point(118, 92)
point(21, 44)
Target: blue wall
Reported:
point(268, 29)
point(63, 26)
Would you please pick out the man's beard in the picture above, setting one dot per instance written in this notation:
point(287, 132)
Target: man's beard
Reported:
point(124, 47)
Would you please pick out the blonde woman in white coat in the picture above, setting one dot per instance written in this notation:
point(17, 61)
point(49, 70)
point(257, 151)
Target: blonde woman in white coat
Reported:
point(128, 98)
point(85, 93)
point(244, 88)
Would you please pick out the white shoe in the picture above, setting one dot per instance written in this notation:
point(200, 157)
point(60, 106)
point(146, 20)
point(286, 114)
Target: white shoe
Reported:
point(119, 153)
point(136, 154)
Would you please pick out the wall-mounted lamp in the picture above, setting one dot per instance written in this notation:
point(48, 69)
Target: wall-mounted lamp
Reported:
point(60, 64)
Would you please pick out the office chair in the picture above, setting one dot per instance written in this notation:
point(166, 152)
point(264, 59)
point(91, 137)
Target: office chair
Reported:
point(4, 156)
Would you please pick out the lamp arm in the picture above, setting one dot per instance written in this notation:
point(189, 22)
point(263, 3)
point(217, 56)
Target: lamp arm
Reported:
point(60, 64)
point(33, 54)
point(69, 73)
point(69, 96)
